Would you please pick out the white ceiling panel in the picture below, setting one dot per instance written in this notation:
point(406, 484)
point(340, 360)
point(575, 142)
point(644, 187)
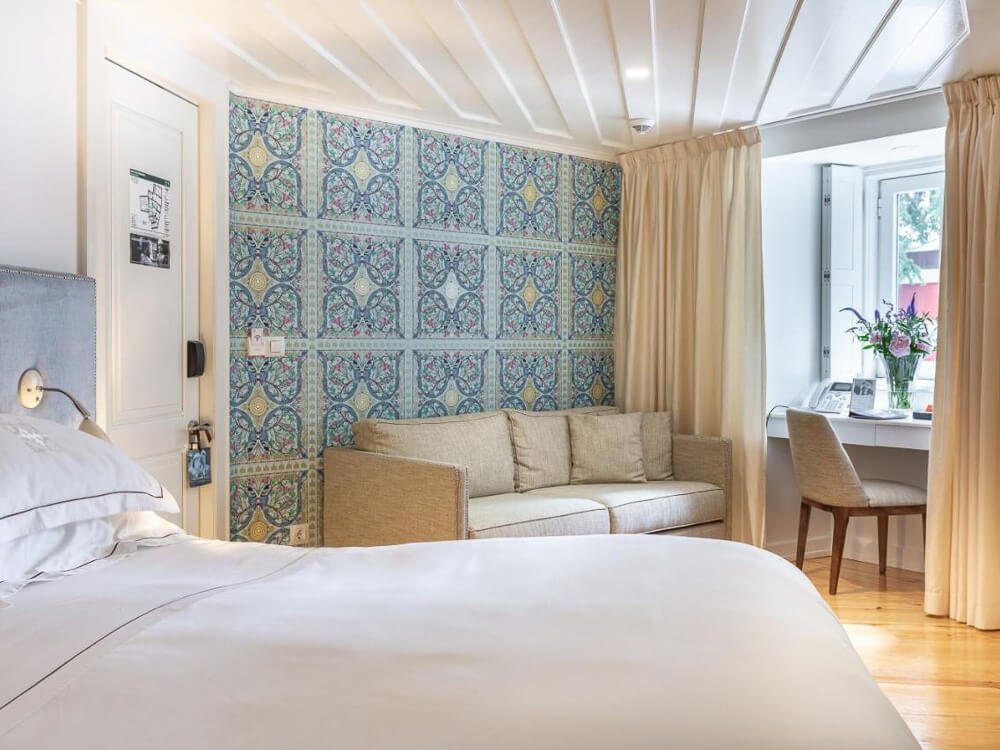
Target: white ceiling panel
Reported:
point(569, 74)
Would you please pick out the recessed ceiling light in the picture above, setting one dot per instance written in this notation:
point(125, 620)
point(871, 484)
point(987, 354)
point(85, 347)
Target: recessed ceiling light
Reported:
point(637, 74)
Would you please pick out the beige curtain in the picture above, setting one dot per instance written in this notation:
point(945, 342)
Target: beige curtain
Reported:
point(963, 508)
point(689, 332)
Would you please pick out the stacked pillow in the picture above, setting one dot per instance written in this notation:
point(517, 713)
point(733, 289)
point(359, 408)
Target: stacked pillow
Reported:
point(66, 498)
point(569, 447)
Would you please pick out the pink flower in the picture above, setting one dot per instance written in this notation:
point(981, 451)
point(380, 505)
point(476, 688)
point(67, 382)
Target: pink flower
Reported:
point(900, 345)
point(924, 347)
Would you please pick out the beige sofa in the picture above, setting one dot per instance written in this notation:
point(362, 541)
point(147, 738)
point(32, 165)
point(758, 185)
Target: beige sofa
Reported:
point(505, 473)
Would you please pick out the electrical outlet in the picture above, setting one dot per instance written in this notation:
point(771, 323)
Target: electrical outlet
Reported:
point(298, 534)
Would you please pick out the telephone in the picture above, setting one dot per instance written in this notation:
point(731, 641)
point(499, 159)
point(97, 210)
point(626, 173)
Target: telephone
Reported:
point(831, 396)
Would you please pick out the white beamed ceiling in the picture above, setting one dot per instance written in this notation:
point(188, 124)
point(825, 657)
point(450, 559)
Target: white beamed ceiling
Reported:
point(553, 72)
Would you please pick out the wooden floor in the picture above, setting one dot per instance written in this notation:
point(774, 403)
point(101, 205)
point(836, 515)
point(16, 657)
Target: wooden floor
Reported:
point(943, 677)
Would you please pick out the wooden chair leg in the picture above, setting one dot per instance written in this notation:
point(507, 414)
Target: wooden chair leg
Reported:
point(840, 520)
point(800, 552)
point(883, 541)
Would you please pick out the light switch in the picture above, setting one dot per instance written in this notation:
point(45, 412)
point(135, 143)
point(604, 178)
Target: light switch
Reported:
point(257, 343)
point(276, 346)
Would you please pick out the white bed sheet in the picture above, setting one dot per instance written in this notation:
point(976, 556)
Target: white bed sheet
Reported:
point(576, 642)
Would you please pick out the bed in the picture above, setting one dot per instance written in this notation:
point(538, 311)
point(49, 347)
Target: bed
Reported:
point(576, 642)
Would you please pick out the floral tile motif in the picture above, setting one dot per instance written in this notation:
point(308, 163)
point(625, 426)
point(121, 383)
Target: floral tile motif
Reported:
point(361, 170)
point(528, 380)
point(597, 196)
point(450, 182)
point(265, 289)
point(358, 385)
point(529, 193)
point(529, 294)
point(450, 293)
point(450, 382)
point(593, 378)
point(593, 296)
point(261, 508)
point(361, 294)
point(266, 157)
point(266, 408)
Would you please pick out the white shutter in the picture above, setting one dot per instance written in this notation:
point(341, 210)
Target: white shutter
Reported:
point(843, 283)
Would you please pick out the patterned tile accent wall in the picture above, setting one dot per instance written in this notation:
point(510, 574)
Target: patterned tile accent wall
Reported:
point(413, 273)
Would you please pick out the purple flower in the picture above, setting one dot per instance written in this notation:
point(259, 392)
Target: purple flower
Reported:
point(900, 345)
point(861, 318)
point(924, 347)
point(876, 337)
point(911, 309)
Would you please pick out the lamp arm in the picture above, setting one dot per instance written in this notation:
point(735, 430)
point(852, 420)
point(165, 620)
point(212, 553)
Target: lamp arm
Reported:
point(79, 407)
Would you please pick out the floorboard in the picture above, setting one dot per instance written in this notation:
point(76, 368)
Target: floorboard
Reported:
point(942, 676)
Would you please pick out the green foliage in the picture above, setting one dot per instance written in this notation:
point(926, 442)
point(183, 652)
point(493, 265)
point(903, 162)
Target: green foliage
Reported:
point(918, 223)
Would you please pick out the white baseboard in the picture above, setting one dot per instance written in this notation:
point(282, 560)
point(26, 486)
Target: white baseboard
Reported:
point(858, 547)
point(865, 549)
point(815, 547)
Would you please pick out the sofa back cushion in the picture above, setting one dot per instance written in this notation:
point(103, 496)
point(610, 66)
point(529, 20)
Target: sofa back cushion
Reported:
point(657, 445)
point(541, 445)
point(480, 442)
point(606, 448)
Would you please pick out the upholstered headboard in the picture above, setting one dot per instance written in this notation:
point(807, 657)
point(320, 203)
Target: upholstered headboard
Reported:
point(48, 321)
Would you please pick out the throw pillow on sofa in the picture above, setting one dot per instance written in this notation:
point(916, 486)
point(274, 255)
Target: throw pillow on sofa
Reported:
point(541, 449)
point(606, 448)
point(657, 445)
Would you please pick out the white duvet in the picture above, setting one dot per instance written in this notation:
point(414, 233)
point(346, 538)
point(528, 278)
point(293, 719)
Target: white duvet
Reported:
point(586, 642)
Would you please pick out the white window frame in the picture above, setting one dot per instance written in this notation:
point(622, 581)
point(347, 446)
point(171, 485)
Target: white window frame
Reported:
point(880, 270)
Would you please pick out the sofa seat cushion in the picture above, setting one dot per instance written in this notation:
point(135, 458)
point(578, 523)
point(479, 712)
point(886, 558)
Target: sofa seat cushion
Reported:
point(649, 506)
point(516, 514)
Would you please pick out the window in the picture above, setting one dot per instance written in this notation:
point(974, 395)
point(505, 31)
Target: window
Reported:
point(908, 254)
point(881, 242)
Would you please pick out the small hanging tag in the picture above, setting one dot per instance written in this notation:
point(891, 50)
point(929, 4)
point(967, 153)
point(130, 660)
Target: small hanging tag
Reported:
point(199, 466)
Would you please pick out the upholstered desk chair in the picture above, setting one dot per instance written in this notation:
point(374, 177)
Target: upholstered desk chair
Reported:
point(828, 481)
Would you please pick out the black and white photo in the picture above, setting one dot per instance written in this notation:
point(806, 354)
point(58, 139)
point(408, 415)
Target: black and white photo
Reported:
point(149, 251)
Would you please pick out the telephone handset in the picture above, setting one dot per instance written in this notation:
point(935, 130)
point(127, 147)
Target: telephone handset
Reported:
point(831, 397)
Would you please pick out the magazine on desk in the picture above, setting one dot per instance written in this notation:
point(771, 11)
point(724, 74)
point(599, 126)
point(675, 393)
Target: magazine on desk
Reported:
point(879, 414)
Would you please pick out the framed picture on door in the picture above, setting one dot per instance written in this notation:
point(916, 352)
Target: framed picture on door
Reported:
point(149, 219)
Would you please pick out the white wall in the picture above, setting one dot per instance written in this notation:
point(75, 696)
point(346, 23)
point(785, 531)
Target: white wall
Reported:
point(791, 215)
point(863, 123)
point(791, 203)
point(38, 133)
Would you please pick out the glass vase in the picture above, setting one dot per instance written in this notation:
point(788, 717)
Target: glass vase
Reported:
point(899, 375)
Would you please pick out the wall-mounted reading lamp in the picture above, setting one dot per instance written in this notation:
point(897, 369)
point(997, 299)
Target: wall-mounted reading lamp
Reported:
point(31, 388)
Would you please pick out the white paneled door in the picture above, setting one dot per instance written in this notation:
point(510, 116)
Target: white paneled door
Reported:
point(152, 273)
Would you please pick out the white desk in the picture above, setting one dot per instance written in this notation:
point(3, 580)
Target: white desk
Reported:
point(897, 433)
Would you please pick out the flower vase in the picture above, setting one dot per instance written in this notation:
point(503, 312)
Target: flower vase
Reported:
point(899, 374)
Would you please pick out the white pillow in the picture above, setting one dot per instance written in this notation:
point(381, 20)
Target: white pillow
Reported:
point(66, 549)
point(52, 475)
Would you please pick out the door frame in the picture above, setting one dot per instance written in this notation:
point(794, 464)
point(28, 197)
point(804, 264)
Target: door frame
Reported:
point(106, 39)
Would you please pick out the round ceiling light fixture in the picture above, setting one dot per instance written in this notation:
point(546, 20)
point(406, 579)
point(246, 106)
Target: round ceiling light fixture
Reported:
point(641, 125)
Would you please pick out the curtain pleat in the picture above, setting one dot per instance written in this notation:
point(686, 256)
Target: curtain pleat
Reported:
point(963, 511)
point(689, 329)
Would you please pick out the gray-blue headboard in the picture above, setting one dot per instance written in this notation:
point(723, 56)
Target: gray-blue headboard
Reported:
point(48, 321)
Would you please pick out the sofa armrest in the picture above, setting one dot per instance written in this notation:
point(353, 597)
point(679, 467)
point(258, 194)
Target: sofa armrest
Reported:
point(371, 499)
point(699, 458)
